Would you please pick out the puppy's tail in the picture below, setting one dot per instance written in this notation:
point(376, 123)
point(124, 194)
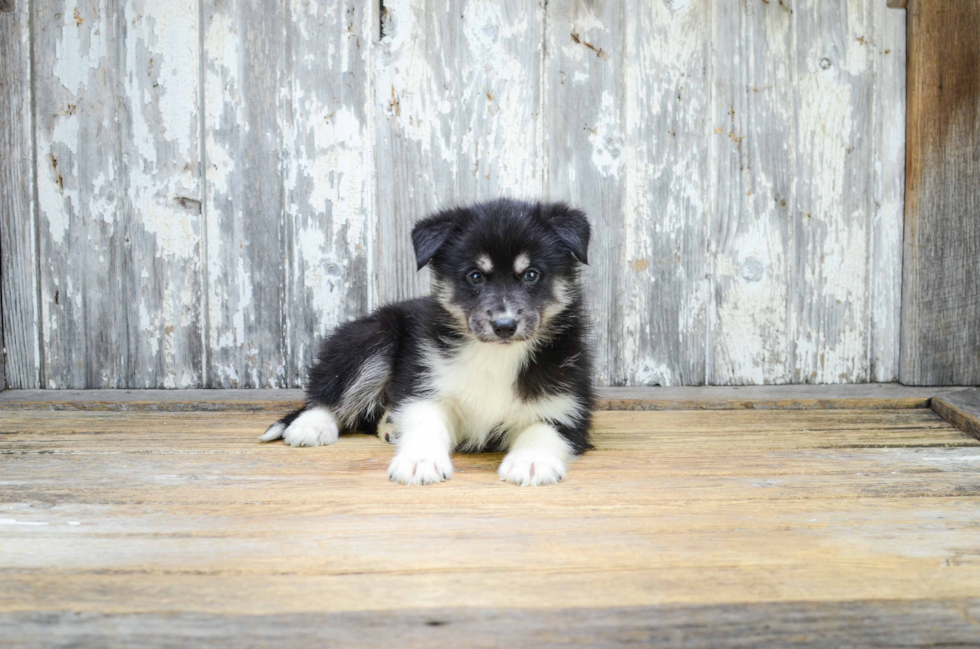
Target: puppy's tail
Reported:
point(276, 430)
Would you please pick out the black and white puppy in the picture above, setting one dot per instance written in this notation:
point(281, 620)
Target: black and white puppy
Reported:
point(496, 359)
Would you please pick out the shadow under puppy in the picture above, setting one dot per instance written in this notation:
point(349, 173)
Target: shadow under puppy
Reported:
point(496, 359)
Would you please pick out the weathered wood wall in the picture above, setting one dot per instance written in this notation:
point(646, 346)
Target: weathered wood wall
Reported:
point(941, 314)
point(208, 185)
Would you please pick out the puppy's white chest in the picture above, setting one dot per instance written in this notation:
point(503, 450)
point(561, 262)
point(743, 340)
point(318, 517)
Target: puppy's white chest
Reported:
point(478, 385)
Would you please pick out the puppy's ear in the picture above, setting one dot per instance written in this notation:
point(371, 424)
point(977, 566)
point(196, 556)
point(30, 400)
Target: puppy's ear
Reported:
point(429, 234)
point(572, 228)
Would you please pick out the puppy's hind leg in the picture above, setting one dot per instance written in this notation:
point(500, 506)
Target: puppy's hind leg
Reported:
point(309, 426)
point(345, 386)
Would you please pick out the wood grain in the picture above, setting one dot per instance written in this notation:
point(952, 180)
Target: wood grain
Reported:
point(203, 223)
point(773, 522)
point(18, 238)
point(889, 192)
point(661, 326)
point(244, 193)
point(834, 191)
point(785, 397)
point(941, 288)
point(584, 97)
point(415, 106)
point(961, 409)
point(824, 625)
point(753, 220)
point(119, 193)
point(328, 173)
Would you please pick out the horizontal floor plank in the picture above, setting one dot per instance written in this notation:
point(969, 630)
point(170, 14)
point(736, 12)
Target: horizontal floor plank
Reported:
point(961, 409)
point(871, 623)
point(171, 515)
point(782, 397)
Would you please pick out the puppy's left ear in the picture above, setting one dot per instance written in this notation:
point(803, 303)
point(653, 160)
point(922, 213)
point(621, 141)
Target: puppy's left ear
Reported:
point(572, 228)
point(429, 234)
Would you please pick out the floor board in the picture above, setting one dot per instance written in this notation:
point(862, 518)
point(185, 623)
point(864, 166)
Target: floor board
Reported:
point(121, 525)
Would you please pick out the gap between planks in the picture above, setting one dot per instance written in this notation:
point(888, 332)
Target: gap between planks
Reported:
point(871, 396)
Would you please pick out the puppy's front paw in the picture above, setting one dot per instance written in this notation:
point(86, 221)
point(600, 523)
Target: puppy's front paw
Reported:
point(315, 427)
point(532, 467)
point(412, 469)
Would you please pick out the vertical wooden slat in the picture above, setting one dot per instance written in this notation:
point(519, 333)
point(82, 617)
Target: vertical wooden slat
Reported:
point(585, 151)
point(328, 170)
point(834, 196)
point(457, 108)
point(18, 264)
point(753, 226)
point(941, 286)
point(415, 116)
point(498, 106)
point(118, 192)
point(662, 327)
point(889, 190)
point(243, 61)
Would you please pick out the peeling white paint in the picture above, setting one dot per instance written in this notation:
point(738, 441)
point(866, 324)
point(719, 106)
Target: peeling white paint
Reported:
point(729, 211)
point(82, 45)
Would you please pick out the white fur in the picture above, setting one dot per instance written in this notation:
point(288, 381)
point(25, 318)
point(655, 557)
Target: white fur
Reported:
point(315, 427)
point(538, 456)
point(424, 444)
point(366, 393)
point(273, 432)
point(521, 263)
point(476, 387)
point(484, 263)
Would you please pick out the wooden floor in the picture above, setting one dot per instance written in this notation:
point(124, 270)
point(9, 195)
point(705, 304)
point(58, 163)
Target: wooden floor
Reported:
point(685, 528)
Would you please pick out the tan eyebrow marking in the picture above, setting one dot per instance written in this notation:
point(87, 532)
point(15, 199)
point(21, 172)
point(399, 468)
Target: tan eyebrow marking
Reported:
point(483, 263)
point(521, 263)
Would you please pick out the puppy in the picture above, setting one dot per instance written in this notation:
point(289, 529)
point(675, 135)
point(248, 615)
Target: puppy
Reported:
point(496, 359)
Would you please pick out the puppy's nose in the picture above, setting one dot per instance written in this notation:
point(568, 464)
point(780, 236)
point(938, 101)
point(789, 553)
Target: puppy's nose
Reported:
point(505, 327)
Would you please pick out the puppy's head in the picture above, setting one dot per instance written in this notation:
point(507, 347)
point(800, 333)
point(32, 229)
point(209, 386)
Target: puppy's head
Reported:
point(505, 268)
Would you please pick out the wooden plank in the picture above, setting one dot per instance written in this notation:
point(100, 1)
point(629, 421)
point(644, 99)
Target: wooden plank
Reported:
point(119, 193)
point(458, 114)
point(796, 245)
point(186, 514)
point(417, 135)
point(889, 193)
point(328, 172)
point(941, 289)
point(18, 237)
point(628, 426)
point(911, 624)
point(660, 332)
point(784, 397)
point(584, 99)
point(834, 202)
point(244, 193)
point(753, 222)
point(498, 70)
point(961, 408)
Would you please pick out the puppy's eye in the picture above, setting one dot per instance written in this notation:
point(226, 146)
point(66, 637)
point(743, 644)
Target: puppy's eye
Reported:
point(475, 278)
point(531, 275)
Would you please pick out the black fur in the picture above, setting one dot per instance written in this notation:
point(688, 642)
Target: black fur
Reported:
point(549, 312)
